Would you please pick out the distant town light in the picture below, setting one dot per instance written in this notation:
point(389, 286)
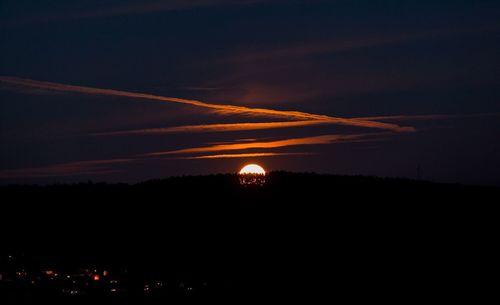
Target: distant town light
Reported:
point(21, 274)
point(71, 291)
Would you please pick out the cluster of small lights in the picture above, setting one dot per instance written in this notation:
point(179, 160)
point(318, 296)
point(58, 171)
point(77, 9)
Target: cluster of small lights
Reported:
point(72, 284)
point(92, 281)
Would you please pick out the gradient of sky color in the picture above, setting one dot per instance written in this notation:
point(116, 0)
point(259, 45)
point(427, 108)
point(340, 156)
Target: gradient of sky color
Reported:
point(126, 90)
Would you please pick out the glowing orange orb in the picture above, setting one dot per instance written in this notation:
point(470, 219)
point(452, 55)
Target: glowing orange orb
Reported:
point(252, 169)
point(252, 174)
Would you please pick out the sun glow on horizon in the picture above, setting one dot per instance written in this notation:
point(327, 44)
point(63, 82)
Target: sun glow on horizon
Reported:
point(252, 169)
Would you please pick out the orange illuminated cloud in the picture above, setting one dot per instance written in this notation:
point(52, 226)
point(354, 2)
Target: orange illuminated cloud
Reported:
point(325, 139)
point(285, 124)
point(218, 108)
point(246, 155)
point(216, 127)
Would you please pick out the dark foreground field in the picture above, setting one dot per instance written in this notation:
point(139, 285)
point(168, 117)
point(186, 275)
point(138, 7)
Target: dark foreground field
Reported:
point(199, 240)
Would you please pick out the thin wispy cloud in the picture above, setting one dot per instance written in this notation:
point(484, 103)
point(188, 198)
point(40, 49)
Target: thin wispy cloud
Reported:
point(124, 8)
point(350, 43)
point(285, 124)
point(222, 109)
point(108, 166)
point(201, 88)
point(79, 168)
point(215, 128)
point(311, 49)
point(429, 117)
point(244, 155)
point(316, 140)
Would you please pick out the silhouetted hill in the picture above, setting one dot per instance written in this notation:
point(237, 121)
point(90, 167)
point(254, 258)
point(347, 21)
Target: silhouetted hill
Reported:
point(351, 239)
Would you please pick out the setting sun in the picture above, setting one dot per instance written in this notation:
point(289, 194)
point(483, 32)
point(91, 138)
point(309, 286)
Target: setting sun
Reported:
point(252, 174)
point(252, 169)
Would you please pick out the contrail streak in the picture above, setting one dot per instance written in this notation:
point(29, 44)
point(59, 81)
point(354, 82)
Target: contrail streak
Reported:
point(248, 155)
point(325, 139)
point(218, 108)
point(227, 127)
point(424, 117)
point(214, 128)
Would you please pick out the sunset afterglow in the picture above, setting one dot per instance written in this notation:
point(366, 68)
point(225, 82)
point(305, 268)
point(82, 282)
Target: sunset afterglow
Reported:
point(227, 152)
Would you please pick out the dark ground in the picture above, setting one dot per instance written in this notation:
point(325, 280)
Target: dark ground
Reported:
point(300, 237)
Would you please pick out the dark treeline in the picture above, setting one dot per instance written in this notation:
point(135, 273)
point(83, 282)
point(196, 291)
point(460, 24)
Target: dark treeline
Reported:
point(350, 239)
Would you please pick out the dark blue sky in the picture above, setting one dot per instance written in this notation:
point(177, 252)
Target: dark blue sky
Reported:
point(430, 67)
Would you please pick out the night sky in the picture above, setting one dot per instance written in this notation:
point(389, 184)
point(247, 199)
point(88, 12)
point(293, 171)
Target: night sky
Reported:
point(119, 90)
